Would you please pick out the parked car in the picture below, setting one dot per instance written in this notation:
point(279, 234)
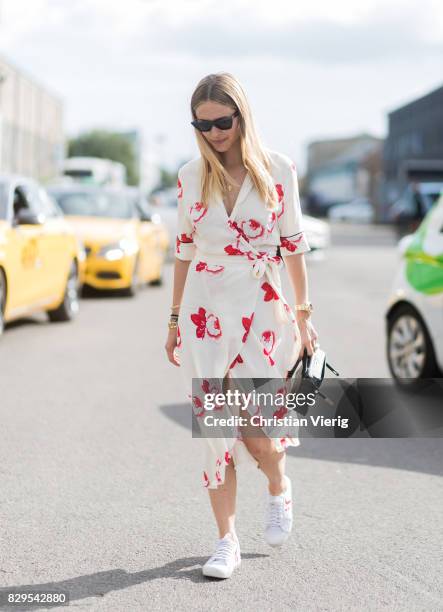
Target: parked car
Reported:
point(149, 213)
point(359, 210)
point(41, 260)
point(318, 233)
point(124, 247)
point(414, 317)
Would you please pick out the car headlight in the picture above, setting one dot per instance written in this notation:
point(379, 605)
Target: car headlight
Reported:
point(117, 250)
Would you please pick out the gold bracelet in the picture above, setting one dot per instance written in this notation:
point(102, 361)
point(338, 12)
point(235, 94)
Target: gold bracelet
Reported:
point(172, 324)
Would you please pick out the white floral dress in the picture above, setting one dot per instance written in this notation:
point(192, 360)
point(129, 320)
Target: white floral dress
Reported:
point(233, 315)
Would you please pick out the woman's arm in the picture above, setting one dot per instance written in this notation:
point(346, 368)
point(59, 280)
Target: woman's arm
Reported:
point(298, 276)
point(181, 268)
point(293, 245)
point(184, 253)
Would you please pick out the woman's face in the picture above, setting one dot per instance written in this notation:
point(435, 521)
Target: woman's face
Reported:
point(221, 140)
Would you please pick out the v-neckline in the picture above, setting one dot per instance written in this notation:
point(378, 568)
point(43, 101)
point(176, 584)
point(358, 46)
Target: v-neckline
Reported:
point(238, 199)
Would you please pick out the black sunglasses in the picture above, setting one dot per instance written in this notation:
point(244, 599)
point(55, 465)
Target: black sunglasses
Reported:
point(222, 123)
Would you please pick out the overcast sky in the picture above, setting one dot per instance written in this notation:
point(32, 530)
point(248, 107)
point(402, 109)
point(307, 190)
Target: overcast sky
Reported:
point(311, 69)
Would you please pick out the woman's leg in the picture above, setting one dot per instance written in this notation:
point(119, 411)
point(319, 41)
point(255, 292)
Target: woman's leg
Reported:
point(271, 462)
point(223, 502)
point(223, 498)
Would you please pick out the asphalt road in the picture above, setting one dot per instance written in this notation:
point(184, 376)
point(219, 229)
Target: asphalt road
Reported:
point(100, 478)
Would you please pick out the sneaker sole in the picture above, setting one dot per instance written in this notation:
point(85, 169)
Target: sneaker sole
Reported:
point(215, 572)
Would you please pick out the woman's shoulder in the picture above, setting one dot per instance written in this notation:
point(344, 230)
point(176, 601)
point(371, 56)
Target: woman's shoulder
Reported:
point(190, 169)
point(280, 161)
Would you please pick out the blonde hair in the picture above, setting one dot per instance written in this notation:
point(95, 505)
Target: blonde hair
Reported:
point(224, 88)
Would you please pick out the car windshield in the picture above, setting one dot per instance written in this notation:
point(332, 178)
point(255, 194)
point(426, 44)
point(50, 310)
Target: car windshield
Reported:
point(95, 204)
point(3, 201)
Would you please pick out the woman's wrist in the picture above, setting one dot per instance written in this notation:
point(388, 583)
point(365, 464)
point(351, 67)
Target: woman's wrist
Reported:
point(302, 316)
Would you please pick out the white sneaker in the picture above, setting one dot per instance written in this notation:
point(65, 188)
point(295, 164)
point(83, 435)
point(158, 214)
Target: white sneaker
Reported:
point(279, 516)
point(225, 559)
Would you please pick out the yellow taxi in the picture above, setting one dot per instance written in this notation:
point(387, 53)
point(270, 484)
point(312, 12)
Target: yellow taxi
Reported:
point(124, 247)
point(42, 262)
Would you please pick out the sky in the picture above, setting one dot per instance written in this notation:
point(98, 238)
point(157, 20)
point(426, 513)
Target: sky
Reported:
point(312, 69)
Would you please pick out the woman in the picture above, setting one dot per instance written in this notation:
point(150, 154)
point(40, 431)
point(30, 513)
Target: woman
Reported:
point(237, 203)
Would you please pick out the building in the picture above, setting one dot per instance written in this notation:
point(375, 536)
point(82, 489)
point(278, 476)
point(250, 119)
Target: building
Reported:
point(340, 170)
point(413, 150)
point(31, 125)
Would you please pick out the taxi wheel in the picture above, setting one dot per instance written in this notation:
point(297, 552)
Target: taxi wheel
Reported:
point(70, 305)
point(410, 352)
point(156, 282)
point(2, 301)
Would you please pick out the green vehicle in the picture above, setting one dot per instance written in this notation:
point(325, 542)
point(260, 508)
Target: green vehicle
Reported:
point(414, 317)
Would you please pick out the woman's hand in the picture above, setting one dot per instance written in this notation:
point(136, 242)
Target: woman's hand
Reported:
point(309, 337)
point(171, 344)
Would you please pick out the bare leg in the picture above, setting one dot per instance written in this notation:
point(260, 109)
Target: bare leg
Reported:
point(271, 462)
point(223, 502)
point(223, 498)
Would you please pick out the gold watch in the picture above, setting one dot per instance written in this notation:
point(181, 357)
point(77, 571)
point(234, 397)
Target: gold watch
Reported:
point(307, 306)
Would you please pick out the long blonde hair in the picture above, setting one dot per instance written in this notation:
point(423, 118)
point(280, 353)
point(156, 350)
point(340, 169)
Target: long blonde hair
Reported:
point(224, 88)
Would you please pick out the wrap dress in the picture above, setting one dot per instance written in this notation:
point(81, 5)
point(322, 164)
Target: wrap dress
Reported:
point(234, 319)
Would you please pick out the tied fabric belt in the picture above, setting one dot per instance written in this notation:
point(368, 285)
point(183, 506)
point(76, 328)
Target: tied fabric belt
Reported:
point(262, 264)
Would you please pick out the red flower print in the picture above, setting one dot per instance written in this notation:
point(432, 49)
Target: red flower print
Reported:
point(186, 238)
point(205, 479)
point(232, 250)
point(179, 189)
point(218, 476)
point(252, 229)
point(247, 321)
point(214, 269)
point(238, 359)
point(179, 337)
point(268, 342)
point(207, 388)
point(280, 192)
point(234, 225)
point(272, 218)
point(283, 442)
point(218, 462)
point(270, 293)
point(209, 324)
point(182, 239)
point(197, 211)
point(290, 245)
point(280, 413)
point(213, 326)
point(282, 210)
point(227, 458)
point(199, 320)
point(197, 404)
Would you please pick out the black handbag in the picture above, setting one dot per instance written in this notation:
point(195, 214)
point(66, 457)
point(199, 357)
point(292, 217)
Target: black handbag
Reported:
point(308, 372)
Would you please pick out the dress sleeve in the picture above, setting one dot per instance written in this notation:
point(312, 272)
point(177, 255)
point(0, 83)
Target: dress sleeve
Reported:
point(184, 242)
point(293, 238)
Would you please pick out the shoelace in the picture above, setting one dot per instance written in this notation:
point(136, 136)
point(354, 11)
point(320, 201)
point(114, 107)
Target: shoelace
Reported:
point(275, 514)
point(224, 550)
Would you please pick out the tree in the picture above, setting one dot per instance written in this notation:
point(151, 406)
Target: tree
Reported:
point(106, 145)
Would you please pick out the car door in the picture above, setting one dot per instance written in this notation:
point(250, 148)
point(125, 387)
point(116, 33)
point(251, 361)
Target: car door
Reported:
point(55, 244)
point(23, 255)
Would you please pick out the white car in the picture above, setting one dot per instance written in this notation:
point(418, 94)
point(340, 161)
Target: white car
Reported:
point(414, 317)
point(359, 210)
